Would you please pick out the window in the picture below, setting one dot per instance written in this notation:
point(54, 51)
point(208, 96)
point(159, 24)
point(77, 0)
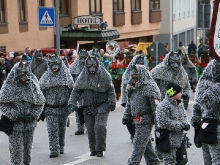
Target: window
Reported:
point(180, 8)
point(95, 7)
point(41, 2)
point(184, 8)
point(118, 5)
point(189, 7)
point(3, 49)
point(2, 12)
point(64, 7)
point(192, 7)
point(22, 11)
point(174, 9)
point(136, 4)
point(154, 4)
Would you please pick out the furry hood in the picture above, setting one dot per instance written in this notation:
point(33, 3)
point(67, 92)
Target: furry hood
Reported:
point(165, 72)
point(188, 63)
point(12, 90)
point(126, 76)
point(99, 82)
point(76, 67)
point(59, 78)
point(210, 72)
point(35, 63)
point(145, 83)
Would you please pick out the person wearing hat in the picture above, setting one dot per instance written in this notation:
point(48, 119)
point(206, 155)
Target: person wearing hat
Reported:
point(182, 48)
point(170, 115)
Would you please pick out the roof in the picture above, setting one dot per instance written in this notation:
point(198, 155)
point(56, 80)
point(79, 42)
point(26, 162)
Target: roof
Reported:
point(90, 34)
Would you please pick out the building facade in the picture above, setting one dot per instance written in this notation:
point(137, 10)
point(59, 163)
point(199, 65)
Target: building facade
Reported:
point(178, 22)
point(136, 21)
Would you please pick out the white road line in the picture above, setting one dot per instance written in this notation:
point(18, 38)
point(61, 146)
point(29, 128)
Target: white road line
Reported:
point(82, 158)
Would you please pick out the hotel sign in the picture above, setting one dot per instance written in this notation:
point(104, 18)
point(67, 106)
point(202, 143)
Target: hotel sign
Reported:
point(87, 20)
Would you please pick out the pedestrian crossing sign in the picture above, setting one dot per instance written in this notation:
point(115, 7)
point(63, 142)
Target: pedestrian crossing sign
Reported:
point(46, 17)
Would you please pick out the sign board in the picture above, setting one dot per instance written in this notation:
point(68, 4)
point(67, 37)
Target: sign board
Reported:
point(46, 17)
point(86, 20)
point(112, 47)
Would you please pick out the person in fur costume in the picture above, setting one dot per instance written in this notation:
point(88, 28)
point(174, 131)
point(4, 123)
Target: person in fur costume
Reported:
point(96, 93)
point(170, 115)
point(207, 96)
point(196, 123)
point(171, 70)
point(22, 101)
point(75, 70)
point(38, 64)
point(143, 94)
point(192, 75)
point(56, 85)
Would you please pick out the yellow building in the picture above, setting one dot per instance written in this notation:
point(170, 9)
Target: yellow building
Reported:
point(136, 21)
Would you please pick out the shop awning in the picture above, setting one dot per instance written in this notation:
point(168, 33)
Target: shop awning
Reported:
point(89, 34)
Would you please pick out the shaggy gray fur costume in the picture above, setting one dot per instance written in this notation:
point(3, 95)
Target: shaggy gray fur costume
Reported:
point(126, 77)
point(56, 87)
point(97, 95)
point(21, 99)
point(192, 75)
point(207, 96)
point(197, 116)
point(38, 64)
point(163, 73)
point(75, 70)
point(171, 115)
point(142, 102)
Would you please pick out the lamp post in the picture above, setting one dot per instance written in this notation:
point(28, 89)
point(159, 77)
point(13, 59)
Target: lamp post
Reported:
point(172, 28)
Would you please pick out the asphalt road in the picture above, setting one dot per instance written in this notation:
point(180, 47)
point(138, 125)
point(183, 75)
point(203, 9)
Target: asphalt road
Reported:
point(119, 145)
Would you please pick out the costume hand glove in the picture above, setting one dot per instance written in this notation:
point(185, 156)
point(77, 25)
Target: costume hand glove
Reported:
point(124, 121)
point(29, 118)
point(20, 118)
point(112, 107)
point(71, 108)
point(123, 104)
point(186, 127)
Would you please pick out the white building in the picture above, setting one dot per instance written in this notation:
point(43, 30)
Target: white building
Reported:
point(178, 22)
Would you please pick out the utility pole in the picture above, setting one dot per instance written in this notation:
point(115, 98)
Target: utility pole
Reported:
point(57, 17)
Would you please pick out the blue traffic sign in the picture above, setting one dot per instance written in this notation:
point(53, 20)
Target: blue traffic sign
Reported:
point(46, 17)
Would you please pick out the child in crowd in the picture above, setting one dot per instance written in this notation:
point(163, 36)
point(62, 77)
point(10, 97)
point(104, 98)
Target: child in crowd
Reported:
point(170, 115)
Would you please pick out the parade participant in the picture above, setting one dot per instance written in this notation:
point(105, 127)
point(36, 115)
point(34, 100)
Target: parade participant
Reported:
point(196, 123)
point(171, 70)
point(207, 96)
point(128, 59)
point(38, 64)
point(94, 89)
point(171, 116)
point(28, 54)
point(143, 94)
point(192, 75)
point(202, 63)
point(138, 59)
point(21, 100)
point(56, 85)
point(116, 69)
point(75, 70)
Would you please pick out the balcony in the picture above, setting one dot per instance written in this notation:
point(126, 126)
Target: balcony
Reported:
point(155, 16)
point(136, 17)
point(119, 18)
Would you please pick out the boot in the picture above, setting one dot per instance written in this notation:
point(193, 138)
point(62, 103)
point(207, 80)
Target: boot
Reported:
point(79, 132)
point(53, 154)
point(93, 153)
point(99, 153)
